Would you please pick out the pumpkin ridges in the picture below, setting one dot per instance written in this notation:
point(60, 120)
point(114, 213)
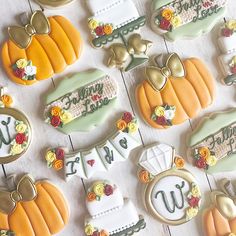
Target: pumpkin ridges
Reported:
point(209, 223)
point(223, 228)
point(4, 221)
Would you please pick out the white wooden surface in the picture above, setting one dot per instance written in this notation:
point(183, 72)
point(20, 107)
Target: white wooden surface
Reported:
point(30, 100)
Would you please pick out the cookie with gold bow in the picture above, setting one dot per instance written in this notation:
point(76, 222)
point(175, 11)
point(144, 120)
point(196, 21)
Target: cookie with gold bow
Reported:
point(41, 48)
point(174, 90)
point(32, 209)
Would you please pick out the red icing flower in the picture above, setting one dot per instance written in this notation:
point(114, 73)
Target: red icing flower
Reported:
point(19, 72)
point(108, 190)
point(193, 201)
point(165, 24)
point(55, 121)
point(20, 138)
point(99, 31)
point(127, 117)
point(200, 163)
point(233, 70)
point(227, 32)
point(161, 120)
point(96, 233)
point(60, 153)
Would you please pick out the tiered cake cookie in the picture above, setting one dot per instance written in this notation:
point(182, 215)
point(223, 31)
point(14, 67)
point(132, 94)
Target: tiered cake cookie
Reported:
point(110, 214)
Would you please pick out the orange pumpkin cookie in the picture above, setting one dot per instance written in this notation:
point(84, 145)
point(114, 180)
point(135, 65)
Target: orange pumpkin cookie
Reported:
point(174, 91)
point(33, 209)
point(40, 49)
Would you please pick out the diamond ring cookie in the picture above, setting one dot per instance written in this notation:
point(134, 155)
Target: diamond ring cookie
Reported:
point(174, 90)
point(41, 48)
point(171, 193)
point(54, 3)
point(178, 19)
point(212, 144)
point(110, 214)
point(15, 131)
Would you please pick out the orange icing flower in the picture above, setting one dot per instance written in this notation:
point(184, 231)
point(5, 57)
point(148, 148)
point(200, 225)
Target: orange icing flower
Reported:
point(204, 152)
point(108, 29)
point(179, 162)
point(6, 100)
point(121, 124)
point(167, 14)
point(58, 164)
point(104, 233)
point(55, 111)
point(91, 196)
point(144, 176)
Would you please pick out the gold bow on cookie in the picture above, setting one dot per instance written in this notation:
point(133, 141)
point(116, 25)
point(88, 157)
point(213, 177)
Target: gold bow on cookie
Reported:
point(25, 191)
point(157, 77)
point(22, 36)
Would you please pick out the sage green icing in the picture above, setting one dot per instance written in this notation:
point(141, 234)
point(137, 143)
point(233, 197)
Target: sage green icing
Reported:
point(193, 29)
point(91, 120)
point(135, 62)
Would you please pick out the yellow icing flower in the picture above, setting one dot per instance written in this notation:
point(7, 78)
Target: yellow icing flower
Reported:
point(231, 24)
point(196, 191)
point(89, 229)
point(121, 124)
point(211, 160)
point(234, 60)
point(92, 24)
point(204, 152)
point(16, 149)
point(176, 21)
point(65, 116)
point(55, 111)
point(50, 156)
point(21, 63)
point(99, 189)
point(191, 212)
point(21, 128)
point(133, 127)
point(108, 29)
point(167, 14)
point(6, 100)
point(159, 111)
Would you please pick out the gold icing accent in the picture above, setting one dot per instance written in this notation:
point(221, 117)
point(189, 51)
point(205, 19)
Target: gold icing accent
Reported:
point(22, 36)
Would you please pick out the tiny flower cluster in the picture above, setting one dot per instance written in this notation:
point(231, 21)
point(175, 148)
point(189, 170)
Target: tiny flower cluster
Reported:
point(58, 117)
point(229, 28)
point(6, 233)
point(204, 158)
point(145, 176)
point(99, 29)
point(163, 115)
point(55, 158)
point(232, 65)
point(6, 100)
point(92, 231)
point(168, 20)
point(127, 123)
point(194, 200)
point(20, 142)
point(24, 69)
point(99, 190)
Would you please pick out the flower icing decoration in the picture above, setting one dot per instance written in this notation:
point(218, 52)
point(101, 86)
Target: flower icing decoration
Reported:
point(232, 65)
point(6, 233)
point(163, 115)
point(24, 69)
point(204, 158)
point(99, 28)
point(55, 158)
point(5, 100)
point(93, 231)
point(127, 123)
point(20, 143)
point(145, 176)
point(179, 162)
point(229, 28)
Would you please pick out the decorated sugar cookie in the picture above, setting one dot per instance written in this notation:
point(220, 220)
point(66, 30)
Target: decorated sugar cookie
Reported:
point(15, 130)
point(174, 90)
point(178, 19)
point(212, 145)
point(54, 3)
point(171, 194)
point(33, 209)
point(102, 156)
point(220, 218)
point(227, 44)
point(112, 23)
point(110, 214)
point(40, 49)
point(81, 102)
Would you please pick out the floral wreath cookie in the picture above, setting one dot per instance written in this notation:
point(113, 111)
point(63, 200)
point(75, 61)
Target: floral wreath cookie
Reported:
point(40, 49)
point(110, 214)
point(111, 23)
point(212, 144)
point(102, 156)
point(40, 202)
point(171, 193)
point(15, 130)
point(54, 3)
point(178, 19)
point(174, 90)
point(227, 44)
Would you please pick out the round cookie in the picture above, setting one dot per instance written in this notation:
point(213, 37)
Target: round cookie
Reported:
point(54, 3)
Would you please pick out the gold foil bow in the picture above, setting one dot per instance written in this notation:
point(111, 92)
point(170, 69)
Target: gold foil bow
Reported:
point(25, 191)
point(22, 36)
point(157, 76)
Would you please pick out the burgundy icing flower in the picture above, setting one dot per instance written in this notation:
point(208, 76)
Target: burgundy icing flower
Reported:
point(55, 121)
point(60, 153)
point(165, 24)
point(200, 163)
point(108, 190)
point(193, 201)
point(161, 120)
point(99, 31)
point(19, 72)
point(96, 233)
point(227, 32)
point(20, 138)
point(233, 70)
point(127, 117)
